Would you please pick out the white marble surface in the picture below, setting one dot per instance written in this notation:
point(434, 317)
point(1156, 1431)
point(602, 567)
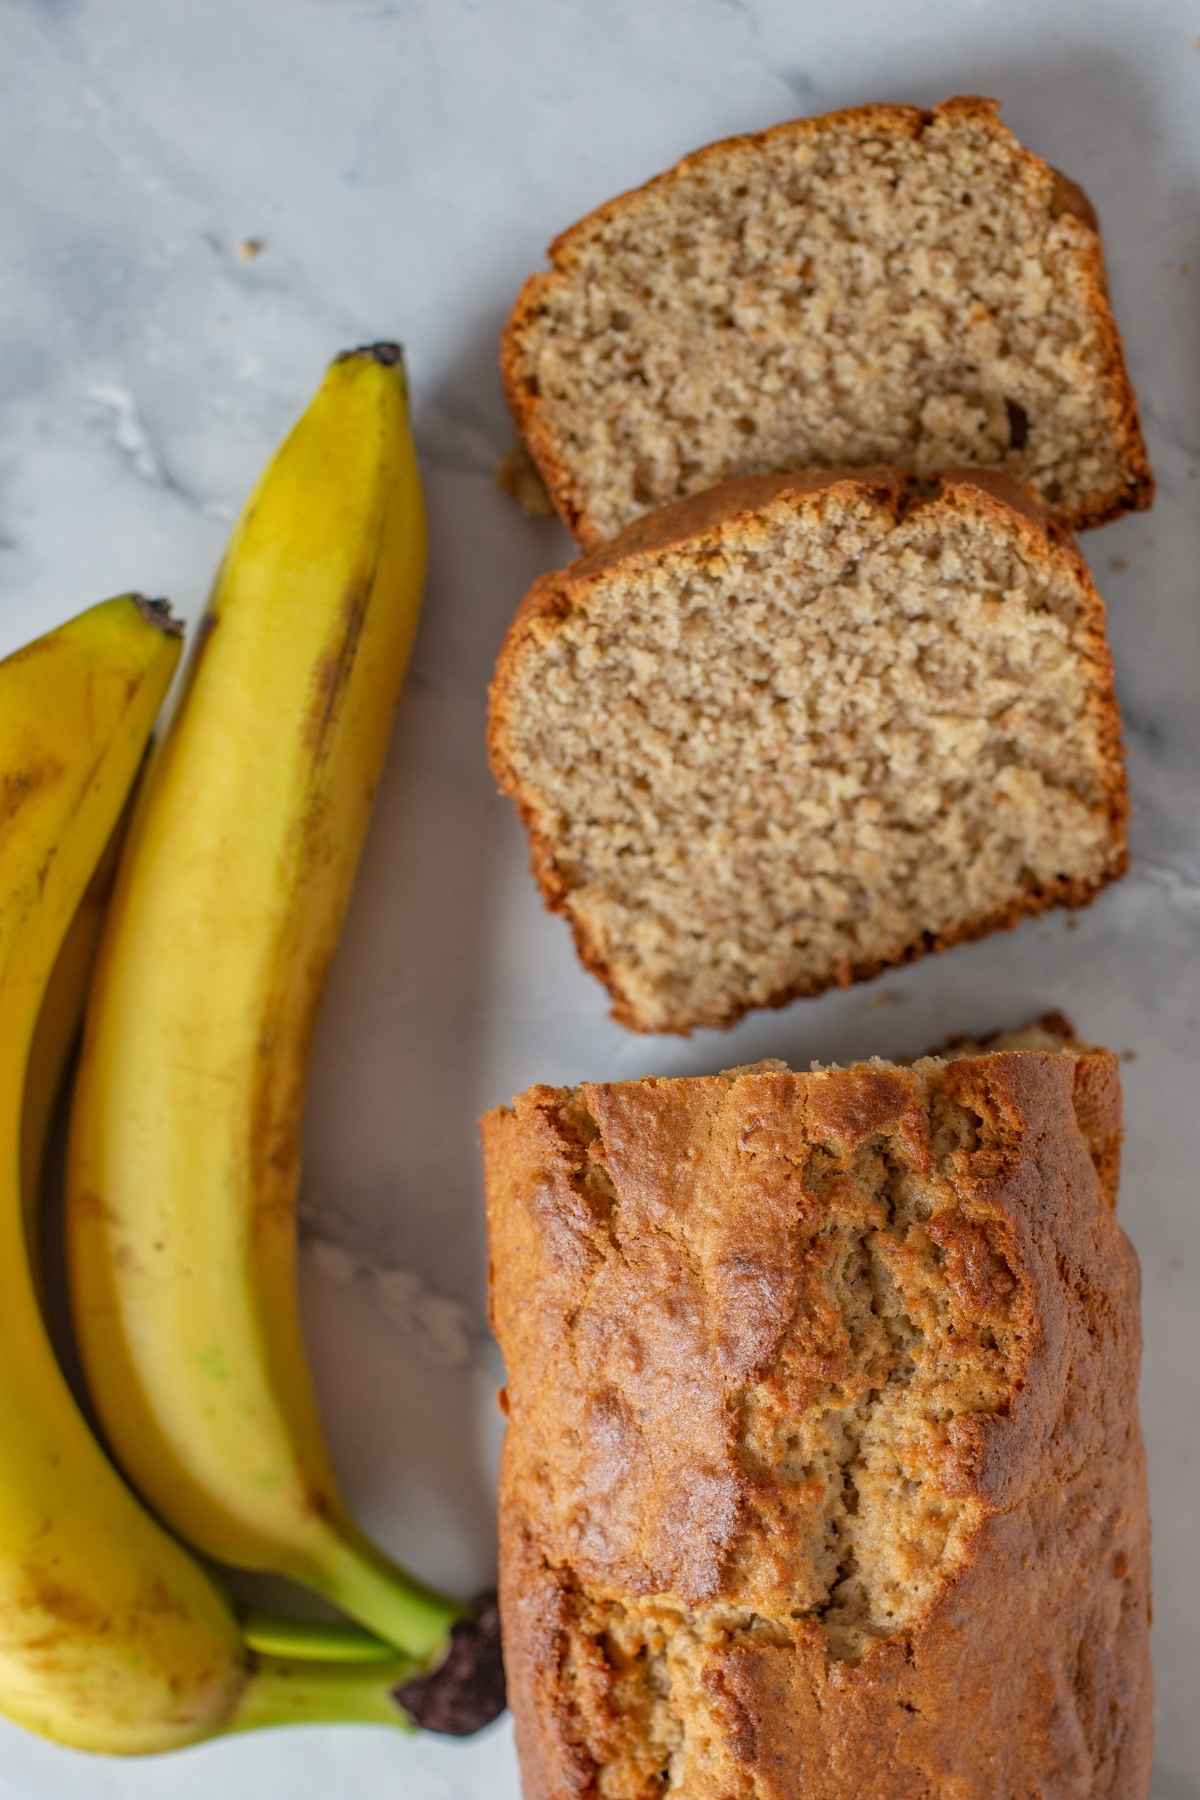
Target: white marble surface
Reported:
point(404, 162)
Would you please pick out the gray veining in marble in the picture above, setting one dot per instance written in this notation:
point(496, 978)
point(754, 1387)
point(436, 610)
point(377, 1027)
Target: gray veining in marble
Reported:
point(403, 165)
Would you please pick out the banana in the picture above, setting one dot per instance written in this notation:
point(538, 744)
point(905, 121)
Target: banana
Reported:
point(185, 1134)
point(111, 1637)
point(56, 1033)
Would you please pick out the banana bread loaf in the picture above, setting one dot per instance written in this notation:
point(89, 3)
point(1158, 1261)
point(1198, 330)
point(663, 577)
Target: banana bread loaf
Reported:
point(877, 285)
point(788, 732)
point(823, 1477)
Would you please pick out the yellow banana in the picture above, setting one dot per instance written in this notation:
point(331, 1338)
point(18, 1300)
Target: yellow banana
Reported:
point(111, 1638)
point(57, 1033)
point(185, 1134)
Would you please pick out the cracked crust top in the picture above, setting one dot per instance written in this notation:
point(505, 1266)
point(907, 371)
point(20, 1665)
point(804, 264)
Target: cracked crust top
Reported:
point(823, 1473)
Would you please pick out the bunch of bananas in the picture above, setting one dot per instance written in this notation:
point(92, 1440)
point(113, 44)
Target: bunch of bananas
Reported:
point(209, 958)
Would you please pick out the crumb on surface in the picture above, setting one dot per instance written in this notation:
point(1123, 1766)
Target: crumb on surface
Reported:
point(517, 474)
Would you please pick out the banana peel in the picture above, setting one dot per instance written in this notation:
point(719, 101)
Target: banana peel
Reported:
point(184, 1153)
point(113, 1639)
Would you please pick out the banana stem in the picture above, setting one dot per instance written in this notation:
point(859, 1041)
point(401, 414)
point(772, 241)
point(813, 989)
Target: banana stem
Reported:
point(279, 1691)
point(365, 1584)
point(313, 1640)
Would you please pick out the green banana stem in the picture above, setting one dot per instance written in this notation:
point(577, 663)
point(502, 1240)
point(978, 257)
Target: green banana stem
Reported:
point(313, 1640)
point(364, 1583)
point(455, 1690)
point(279, 1691)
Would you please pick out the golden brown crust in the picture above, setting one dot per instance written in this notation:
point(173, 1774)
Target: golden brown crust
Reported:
point(653, 1246)
point(725, 509)
point(728, 505)
point(1136, 494)
point(537, 1620)
point(1001, 1701)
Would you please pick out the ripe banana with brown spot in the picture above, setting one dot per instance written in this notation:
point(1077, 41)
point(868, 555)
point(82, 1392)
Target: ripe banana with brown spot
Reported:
point(111, 1637)
point(185, 1136)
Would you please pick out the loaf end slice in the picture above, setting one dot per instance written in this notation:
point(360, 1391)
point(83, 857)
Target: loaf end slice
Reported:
point(880, 284)
point(790, 732)
point(823, 1473)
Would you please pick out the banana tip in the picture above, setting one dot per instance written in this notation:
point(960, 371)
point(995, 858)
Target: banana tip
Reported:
point(158, 612)
point(387, 353)
point(467, 1690)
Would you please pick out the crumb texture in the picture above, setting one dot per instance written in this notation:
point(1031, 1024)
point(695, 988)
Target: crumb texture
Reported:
point(823, 1473)
point(808, 741)
point(875, 286)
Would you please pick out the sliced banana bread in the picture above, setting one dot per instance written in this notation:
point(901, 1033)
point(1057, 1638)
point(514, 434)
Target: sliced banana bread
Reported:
point(788, 732)
point(823, 1474)
point(876, 285)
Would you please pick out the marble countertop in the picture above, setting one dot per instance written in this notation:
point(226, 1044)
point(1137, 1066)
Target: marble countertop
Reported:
point(206, 202)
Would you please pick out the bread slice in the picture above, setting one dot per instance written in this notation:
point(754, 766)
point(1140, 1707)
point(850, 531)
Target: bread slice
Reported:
point(784, 734)
point(823, 1474)
point(877, 285)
